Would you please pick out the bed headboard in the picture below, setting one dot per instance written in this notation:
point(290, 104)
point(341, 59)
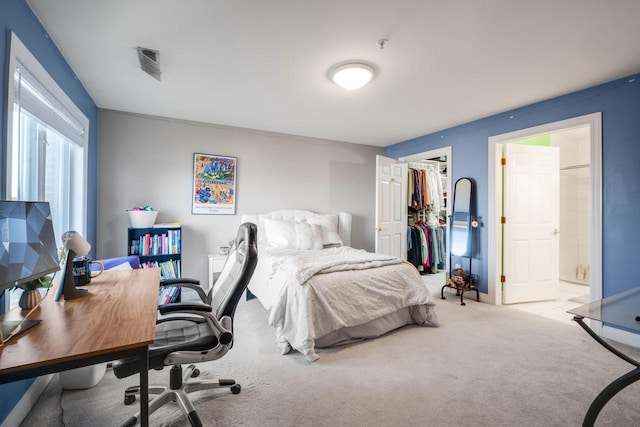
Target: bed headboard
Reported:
point(344, 221)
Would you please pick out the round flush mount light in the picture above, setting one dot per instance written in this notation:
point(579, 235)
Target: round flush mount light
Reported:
point(352, 75)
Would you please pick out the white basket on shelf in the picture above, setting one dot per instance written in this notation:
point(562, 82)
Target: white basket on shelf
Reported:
point(142, 219)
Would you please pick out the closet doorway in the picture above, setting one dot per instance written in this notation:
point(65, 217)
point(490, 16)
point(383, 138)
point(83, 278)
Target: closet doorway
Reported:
point(579, 232)
point(444, 161)
point(391, 213)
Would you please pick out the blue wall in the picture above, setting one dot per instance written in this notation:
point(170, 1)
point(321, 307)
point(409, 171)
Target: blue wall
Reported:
point(16, 16)
point(619, 102)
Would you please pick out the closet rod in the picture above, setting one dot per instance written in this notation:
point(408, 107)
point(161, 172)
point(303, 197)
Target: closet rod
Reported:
point(420, 165)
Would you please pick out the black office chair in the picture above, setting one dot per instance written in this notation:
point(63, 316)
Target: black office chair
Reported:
point(196, 332)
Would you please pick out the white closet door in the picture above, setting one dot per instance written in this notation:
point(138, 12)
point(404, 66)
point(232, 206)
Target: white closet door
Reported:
point(391, 207)
point(530, 234)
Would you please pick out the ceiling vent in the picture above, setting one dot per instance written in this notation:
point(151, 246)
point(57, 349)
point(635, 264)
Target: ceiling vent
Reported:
point(149, 61)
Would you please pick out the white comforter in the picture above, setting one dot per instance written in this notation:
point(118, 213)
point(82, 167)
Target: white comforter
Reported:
point(312, 293)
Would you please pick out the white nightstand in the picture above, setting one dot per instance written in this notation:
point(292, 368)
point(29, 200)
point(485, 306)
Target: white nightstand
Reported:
point(216, 262)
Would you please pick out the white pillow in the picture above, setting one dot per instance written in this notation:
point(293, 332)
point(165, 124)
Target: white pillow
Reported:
point(308, 237)
point(329, 224)
point(280, 233)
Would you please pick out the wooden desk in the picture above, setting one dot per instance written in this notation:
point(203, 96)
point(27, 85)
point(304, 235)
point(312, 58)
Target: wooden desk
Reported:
point(117, 319)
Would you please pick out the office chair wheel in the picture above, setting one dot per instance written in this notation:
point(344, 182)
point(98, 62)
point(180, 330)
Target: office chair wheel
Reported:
point(129, 399)
point(235, 389)
point(195, 373)
point(194, 419)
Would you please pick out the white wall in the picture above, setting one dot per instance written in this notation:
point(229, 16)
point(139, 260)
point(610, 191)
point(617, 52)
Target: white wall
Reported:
point(575, 225)
point(575, 206)
point(149, 160)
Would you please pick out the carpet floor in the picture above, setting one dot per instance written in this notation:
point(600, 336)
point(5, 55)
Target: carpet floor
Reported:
point(484, 366)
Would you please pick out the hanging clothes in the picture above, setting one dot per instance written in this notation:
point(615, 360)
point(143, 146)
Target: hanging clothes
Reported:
point(426, 247)
point(425, 236)
point(414, 254)
point(425, 190)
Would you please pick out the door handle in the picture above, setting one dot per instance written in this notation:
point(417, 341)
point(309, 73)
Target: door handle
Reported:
point(378, 228)
point(556, 232)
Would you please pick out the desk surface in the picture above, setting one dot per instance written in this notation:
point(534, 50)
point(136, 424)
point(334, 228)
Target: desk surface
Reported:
point(119, 314)
point(617, 310)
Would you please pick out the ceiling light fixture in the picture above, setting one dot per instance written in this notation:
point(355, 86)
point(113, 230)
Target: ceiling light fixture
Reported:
point(352, 75)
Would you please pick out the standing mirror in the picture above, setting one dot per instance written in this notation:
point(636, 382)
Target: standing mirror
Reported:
point(461, 217)
point(462, 223)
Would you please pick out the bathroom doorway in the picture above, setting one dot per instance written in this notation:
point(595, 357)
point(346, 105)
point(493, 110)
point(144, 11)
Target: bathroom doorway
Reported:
point(580, 142)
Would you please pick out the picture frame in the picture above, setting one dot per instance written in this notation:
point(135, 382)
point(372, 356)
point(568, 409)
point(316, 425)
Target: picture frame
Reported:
point(214, 185)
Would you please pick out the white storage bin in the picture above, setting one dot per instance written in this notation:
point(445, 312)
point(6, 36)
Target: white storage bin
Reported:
point(81, 378)
point(142, 219)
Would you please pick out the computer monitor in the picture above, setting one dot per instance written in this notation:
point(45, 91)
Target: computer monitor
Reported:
point(28, 250)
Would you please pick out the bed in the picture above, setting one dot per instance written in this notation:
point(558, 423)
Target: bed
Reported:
point(320, 292)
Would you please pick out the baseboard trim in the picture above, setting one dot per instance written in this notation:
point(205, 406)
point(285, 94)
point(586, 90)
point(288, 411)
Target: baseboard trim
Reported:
point(485, 298)
point(621, 336)
point(24, 405)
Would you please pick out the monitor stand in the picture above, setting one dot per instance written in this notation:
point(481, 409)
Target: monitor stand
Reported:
point(8, 326)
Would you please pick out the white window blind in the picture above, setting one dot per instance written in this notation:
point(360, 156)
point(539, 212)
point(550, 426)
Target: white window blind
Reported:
point(34, 97)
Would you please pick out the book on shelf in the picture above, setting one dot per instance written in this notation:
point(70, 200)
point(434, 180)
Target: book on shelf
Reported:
point(169, 269)
point(168, 295)
point(157, 244)
point(175, 295)
point(167, 225)
point(163, 294)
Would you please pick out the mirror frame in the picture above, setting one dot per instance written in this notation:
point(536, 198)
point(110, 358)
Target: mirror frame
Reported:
point(462, 225)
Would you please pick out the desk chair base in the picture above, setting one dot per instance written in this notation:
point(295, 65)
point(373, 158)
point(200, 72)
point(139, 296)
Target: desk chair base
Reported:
point(180, 385)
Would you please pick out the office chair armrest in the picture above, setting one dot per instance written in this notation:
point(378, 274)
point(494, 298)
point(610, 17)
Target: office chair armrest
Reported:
point(223, 331)
point(176, 280)
point(186, 283)
point(197, 307)
point(204, 312)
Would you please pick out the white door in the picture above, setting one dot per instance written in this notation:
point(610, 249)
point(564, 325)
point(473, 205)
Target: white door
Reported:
point(532, 215)
point(391, 207)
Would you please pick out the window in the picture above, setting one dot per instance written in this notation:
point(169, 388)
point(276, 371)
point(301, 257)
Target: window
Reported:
point(47, 140)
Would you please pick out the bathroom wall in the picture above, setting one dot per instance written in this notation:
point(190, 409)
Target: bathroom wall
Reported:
point(575, 205)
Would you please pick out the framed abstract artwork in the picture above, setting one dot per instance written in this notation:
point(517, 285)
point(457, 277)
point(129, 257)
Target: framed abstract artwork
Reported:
point(214, 185)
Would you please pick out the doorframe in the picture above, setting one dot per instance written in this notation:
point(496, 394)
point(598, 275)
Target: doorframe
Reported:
point(494, 255)
point(437, 152)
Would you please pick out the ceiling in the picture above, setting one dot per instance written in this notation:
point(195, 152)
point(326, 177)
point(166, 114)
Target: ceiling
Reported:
point(263, 64)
